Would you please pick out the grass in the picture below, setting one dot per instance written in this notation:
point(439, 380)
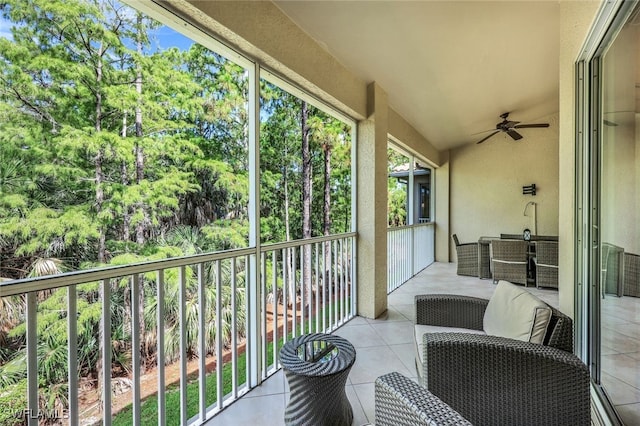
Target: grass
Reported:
point(149, 407)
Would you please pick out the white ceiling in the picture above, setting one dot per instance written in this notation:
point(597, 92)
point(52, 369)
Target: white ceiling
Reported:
point(450, 67)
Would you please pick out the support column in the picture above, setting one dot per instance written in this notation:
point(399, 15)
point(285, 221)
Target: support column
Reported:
point(372, 205)
point(442, 214)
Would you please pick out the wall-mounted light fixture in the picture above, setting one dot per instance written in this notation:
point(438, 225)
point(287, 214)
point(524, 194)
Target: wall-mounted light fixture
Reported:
point(531, 189)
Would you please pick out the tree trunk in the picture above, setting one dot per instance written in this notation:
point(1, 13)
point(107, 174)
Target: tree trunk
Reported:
point(141, 226)
point(124, 179)
point(306, 197)
point(99, 157)
point(99, 174)
point(326, 222)
point(287, 227)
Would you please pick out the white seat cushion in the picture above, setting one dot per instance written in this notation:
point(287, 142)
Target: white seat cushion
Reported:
point(420, 330)
point(515, 313)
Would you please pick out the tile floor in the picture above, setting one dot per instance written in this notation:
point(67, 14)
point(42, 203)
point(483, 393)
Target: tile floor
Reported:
point(621, 355)
point(382, 345)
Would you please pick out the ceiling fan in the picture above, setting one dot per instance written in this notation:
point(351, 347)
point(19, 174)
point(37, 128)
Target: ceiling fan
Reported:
point(508, 127)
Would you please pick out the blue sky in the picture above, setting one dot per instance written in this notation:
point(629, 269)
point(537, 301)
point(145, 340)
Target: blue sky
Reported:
point(161, 39)
point(165, 37)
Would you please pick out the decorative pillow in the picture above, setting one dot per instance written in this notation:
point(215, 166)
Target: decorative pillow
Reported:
point(515, 313)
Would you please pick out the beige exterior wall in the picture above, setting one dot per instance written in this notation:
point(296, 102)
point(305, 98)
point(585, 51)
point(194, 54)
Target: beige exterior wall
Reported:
point(487, 181)
point(576, 19)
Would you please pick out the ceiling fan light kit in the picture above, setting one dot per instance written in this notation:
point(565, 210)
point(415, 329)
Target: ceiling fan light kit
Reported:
point(509, 127)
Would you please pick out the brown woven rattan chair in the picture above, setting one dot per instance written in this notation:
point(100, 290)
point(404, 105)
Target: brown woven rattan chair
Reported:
point(546, 264)
point(467, 257)
point(486, 380)
point(509, 260)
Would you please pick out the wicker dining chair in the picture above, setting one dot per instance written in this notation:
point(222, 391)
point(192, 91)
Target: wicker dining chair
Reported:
point(467, 257)
point(631, 275)
point(509, 260)
point(546, 264)
point(612, 269)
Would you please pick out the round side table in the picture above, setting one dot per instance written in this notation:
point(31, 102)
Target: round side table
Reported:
point(316, 367)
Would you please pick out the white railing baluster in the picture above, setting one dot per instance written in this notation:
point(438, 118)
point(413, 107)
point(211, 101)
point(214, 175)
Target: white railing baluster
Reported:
point(135, 346)
point(106, 352)
point(182, 282)
point(324, 286)
point(285, 290)
point(353, 288)
point(219, 336)
point(234, 331)
point(303, 290)
point(202, 344)
point(274, 305)
point(248, 316)
point(316, 280)
point(263, 310)
point(294, 302)
point(72, 336)
point(331, 273)
point(32, 358)
point(342, 273)
point(160, 349)
point(336, 287)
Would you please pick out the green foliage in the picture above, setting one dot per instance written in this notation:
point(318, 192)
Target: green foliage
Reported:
point(13, 399)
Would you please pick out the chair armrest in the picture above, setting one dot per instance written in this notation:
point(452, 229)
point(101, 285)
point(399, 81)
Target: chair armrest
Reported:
point(401, 401)
point(450, 310)
point(495, 380)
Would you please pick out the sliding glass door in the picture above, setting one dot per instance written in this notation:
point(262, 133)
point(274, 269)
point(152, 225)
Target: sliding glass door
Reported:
point(609, 214)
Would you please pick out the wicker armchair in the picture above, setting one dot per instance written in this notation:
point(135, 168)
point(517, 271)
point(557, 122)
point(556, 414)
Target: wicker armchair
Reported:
point(484, 379)
point(548, 387)
point(631, 275)
point(546, 262)
point(467, 257)
point(509, 260)
point(400, 401)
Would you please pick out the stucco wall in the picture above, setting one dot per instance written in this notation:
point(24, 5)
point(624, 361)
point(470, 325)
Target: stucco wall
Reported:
point(487, 180)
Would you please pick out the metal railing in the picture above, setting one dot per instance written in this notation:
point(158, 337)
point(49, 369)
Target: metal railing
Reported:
point(409, 250)
point(191, 315)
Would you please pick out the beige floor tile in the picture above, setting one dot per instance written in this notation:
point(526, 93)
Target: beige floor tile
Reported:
point(265, 410)
point(395, 333)
point(406, 353)
point(366, 395)
point(373, 362)
point(630, 414)
point(360, 336)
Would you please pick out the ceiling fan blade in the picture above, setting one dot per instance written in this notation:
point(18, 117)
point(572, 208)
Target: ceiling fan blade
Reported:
point(514, 135)
point(484, 131)
point(530, 126)
point(482, 140)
